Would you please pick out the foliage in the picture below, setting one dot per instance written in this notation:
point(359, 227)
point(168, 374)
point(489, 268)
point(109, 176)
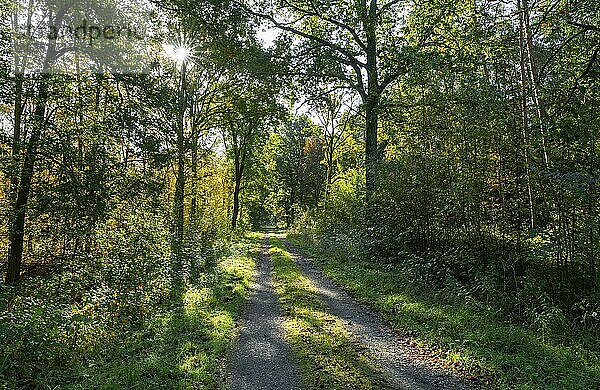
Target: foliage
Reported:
point(489, 167)
point(456, 142)
point(298, 156)
point(114, 323)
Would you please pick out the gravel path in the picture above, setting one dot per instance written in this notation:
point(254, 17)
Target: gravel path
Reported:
point(261, 359)
point(391, 351)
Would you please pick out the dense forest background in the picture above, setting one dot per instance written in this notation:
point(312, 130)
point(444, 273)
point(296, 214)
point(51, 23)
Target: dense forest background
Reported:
point(456, 140)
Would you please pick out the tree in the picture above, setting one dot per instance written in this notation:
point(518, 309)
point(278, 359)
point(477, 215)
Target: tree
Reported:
point(357, 44)
point(249, 110)
point(337, 128)
point(298, 163)
point(38, 127)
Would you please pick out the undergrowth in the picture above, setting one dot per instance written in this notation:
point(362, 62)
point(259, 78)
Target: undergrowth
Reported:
point(124, 329)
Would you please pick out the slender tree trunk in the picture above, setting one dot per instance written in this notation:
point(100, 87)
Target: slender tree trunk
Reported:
point(236, 193)
point(329, 171)
point(17, 225)
point(524, 113)
point(371, 104)
point(534, 77)
point(240, 154)
point(180, 180)
point(14, 256)
point(16, 232)
point(16, 144)
point(194, 200)
point(371, 158)
point(236, 205)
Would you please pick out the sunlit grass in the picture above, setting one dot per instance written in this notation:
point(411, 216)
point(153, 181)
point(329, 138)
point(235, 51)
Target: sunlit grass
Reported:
point(329, 358)
point(468, 336)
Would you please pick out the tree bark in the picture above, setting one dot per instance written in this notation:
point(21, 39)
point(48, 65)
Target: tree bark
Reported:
point(239, 161)
point(194, 184)
point(178, 201)
point(16, 144)
point(16, 233)
point(236, 201)
point(534, 76)
point(524, 112)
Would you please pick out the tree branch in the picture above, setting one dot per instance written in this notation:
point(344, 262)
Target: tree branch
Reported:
point(286, 27)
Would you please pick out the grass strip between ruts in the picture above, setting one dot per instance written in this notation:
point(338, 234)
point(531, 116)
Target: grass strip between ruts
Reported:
point(329, 358)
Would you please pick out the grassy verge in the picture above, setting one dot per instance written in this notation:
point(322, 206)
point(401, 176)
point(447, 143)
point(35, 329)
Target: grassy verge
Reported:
point(463, 333)
point(179, 343)
point(328, 358)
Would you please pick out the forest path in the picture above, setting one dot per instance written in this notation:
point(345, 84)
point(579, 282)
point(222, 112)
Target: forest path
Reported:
point(391, 351)
point(261, 359)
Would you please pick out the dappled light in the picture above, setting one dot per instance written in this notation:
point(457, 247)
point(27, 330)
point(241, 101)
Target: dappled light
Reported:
point(472, 339)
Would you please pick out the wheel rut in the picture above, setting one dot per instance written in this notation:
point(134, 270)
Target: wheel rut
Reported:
point(261, 359)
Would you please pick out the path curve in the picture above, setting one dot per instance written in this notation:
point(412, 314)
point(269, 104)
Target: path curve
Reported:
point(370, 330)
point(261, 359)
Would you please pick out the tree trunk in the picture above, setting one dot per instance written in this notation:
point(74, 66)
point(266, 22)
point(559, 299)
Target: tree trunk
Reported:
point(371, 104)
point(240, 154)
point(17, 224)
point(178, 202)
point(16, 144)
point(14, 260)
point(16, 232)
point(534, 76)
point(236, 194)
point(194, 200)
point(329, 170)
point(524, 112)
